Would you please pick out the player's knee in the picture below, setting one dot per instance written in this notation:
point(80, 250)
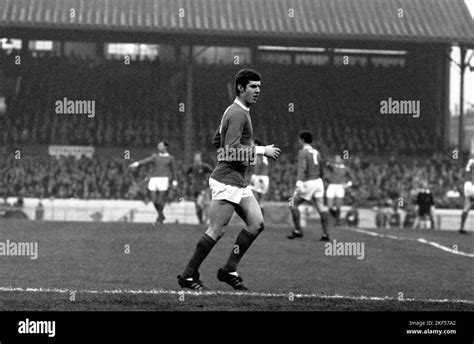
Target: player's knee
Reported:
point(215, 233)
point(261, 227)
point(257, 228)
point(294, 204)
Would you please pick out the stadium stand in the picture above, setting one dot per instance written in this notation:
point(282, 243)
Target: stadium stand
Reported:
point(339, 103)
point(340, 119)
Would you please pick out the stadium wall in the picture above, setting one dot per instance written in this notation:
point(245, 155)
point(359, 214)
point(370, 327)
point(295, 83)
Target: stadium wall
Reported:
point(276, 213)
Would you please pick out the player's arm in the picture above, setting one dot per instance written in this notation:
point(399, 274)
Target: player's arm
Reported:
point(470, 163)
point(173, 171)
point(433, 212)
point(302, 167)
point(143, 161)
point(349, 178)
point(321, 164)
point(234, 133)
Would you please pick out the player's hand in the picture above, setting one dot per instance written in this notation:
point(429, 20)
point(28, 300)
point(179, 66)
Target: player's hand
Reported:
point(348, 185)
point(135, 164)
point(272, 152)
point(299, 186)
point(175, 183)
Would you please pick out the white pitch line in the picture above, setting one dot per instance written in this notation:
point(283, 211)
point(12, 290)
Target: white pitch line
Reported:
point(421, 240)
point(225, 293)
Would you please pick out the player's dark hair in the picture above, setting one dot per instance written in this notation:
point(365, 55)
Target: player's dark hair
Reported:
point(163, 142)
point(306, 136)
point(244, 76)
point(258, 142)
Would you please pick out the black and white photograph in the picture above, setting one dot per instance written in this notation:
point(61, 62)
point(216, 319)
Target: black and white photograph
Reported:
point(257, 156)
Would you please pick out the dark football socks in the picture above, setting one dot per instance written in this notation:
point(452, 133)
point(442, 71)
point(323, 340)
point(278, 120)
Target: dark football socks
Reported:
point(295, 213)
point(159, 208)
point(463, 219)
point(203, 247)
point(199, 214)
point(325, 223)
point(242, 243)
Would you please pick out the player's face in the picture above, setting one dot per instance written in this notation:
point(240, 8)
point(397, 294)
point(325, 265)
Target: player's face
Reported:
point(251, 93)
point(197, 158)
point(337, 159)
point(161, 147)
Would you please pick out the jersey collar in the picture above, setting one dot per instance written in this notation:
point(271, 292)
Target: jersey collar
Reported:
point(239, 103)
point(164, 154)
point(307, 146)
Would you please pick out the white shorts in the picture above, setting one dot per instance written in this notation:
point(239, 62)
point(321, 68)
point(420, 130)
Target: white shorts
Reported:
point(311, 189)
point(158, 184)
point(335, 191)
point(260, 184)
point(231, 193)
point(468, 189)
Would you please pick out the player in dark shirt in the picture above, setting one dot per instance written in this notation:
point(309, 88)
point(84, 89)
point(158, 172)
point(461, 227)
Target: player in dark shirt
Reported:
point(309, 186)
point(198, 173)
point(229, 187)
point(339, 178)
point(425, 208)
point(162, 174)
point(468, 193)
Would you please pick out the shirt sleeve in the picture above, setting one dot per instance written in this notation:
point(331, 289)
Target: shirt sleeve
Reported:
point(172, 168)
point(147, 160)
point(321, 165)
point(216, 140)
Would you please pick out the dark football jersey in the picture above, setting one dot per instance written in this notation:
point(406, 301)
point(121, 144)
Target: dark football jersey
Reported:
point(198, 174)
point(309, 164)
point(234, 149)
point(425, 201)
point(261, 166)
point(340, 174)
point(163, 165)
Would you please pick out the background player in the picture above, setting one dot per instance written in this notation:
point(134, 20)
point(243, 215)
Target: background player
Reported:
point(259, 179)
point(198, 173)
point(339, 179)
point(468, 193)
point(230, 190)
point(424, 208)
point(309, 186)
point(163, 172)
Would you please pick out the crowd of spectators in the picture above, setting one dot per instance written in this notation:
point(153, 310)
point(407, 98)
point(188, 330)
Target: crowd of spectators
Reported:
point(139, 103)
point(374, 180)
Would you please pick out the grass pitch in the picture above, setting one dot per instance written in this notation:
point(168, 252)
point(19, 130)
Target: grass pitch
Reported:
point(123, 266)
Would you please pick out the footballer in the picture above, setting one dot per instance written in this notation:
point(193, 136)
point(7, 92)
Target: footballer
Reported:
point(162, 175)
point(229, 188)
point(198, 173)
point(339, 179)
point(309, 186)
